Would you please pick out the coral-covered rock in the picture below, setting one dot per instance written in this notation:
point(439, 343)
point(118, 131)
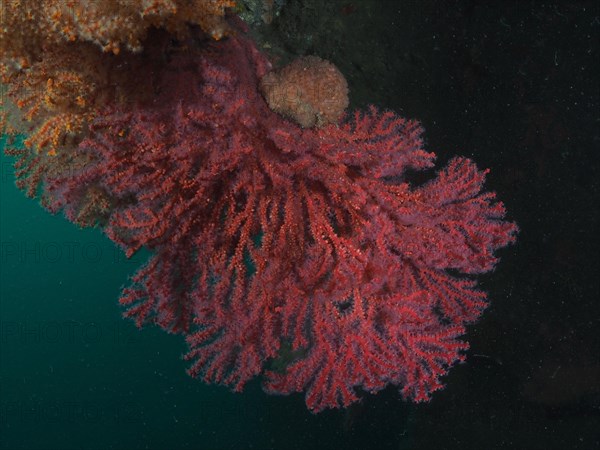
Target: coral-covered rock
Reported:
point(26, 26)
point(311, 91)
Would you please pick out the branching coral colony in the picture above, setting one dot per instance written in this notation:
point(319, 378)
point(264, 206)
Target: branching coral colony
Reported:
point(273, 241)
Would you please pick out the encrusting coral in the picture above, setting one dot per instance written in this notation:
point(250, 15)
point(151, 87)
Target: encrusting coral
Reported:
point(111, 24)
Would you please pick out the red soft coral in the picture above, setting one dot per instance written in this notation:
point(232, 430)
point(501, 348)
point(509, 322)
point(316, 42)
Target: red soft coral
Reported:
point(267, 236)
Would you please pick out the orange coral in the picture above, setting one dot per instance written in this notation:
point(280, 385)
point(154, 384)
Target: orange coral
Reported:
point(111, 24)
point(56, 95)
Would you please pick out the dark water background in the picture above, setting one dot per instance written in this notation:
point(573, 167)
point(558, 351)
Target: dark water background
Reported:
point(515, 86)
